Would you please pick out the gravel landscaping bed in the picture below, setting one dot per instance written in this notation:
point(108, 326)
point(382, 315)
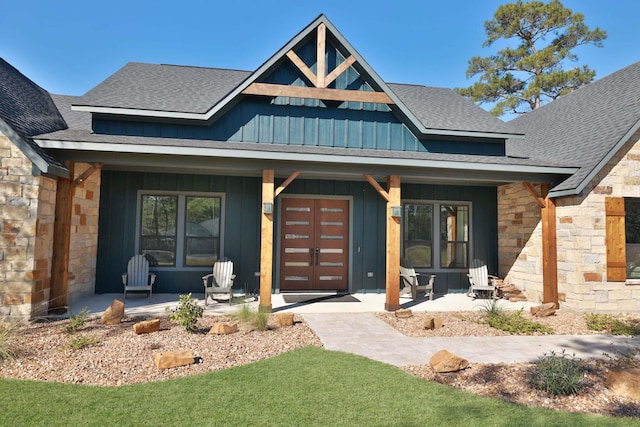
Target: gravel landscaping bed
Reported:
point(122, 357)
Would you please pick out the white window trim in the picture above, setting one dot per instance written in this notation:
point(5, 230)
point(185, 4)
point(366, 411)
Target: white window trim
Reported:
point(435, 232)
point(180, 225)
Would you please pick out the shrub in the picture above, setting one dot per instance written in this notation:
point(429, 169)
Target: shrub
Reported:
point(187, 313)
point(513, 322)
point(558, 374)
point(81, 341)
point(8, 341)
point(77, 321)
point(607, 322)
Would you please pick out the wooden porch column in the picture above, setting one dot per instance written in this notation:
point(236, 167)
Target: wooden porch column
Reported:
point(61, 242)
point(392, 302)
point(549, 249)
point(266, 242)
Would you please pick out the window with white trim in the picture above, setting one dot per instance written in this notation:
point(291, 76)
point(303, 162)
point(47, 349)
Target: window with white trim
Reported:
point(180, 229)
point(449, 222)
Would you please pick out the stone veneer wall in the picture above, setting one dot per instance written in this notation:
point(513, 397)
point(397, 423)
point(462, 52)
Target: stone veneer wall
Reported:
point(27, 208)
point(84, 235)
point(582, 271)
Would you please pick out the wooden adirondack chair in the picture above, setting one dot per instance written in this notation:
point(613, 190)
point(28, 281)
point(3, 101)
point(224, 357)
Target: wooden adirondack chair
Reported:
point(137, 277)
point(409, 278)
point(480, 279)
point(221, 281)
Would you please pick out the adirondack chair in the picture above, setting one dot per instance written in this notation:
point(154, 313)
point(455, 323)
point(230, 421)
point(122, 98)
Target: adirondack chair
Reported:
point(480, 279)
point(137, 277)
point(409, 278)
point(221, 281)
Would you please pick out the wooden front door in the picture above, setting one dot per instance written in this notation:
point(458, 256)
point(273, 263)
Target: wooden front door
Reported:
point(314, 245)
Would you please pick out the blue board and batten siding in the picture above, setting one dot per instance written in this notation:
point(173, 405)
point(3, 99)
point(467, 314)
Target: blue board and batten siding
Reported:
point(118, 207)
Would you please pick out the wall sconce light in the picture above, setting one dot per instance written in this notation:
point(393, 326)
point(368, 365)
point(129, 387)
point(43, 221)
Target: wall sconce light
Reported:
point(396, 211)
point(267, 208)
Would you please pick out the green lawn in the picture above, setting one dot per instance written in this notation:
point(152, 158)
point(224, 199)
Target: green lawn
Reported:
point(309, 386)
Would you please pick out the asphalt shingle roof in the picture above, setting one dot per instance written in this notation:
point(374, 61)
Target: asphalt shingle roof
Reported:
point(581, 128)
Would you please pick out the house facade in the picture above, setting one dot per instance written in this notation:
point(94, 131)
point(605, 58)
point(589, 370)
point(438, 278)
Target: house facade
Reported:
point(311, 173)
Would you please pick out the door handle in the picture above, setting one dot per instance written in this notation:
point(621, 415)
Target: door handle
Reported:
point(317, 255)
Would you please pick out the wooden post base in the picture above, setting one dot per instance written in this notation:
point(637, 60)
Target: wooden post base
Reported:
point(391, 307)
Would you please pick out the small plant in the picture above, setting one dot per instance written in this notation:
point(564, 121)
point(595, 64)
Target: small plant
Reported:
point(77, 321)
point(8, 341)
point(558, 374)
point(79, 342)
point(607, 322)
point(256, 319)
point(187, 313)
point(513, 322)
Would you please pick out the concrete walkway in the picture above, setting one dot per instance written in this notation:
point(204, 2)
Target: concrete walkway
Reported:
point(368, 336)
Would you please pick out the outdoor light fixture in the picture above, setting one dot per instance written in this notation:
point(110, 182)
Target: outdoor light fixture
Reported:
point(396, 211)
point(267, 208)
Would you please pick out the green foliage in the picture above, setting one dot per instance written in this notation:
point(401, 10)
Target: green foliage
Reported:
point(256, 319)
point(8, 341)
point(187, 313)
point(520, 78)
point(77, 321)
point(79, 342)
point(558, 374)
point(512, 321)
point(329, 388)
point(607, 322)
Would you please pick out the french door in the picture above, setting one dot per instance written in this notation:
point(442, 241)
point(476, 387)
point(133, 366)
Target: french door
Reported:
point(314, 245)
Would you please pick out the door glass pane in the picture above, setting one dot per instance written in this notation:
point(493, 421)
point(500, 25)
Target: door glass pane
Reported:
point(202, 240)
point(158, 229)
point(418, 240)
point(632, 236)
point(454, 236)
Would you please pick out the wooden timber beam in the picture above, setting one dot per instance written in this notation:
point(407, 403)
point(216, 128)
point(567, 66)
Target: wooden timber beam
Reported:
point(269, 89)
point(61, 242)
point(320, 55)
point(86, 174)
point(339, 70)
point(266, 243)
point(287, 181)
point(539, 199)
point(302, 67)
point(549, 249)
point(392, 301)
point(377, 187)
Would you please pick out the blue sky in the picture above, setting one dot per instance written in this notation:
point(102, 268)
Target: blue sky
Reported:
point(68, 47)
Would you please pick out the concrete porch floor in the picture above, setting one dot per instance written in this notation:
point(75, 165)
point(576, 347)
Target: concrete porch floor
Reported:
point(139, 305)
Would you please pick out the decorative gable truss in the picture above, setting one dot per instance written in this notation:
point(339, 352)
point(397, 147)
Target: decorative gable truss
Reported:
point(319, 79)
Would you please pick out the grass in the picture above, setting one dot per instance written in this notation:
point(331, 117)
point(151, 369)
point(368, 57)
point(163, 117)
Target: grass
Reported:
point(308, 386)
point(9, 343)
point(255, 319)
point(612, 324)
point(512, 321)
point(79, 342)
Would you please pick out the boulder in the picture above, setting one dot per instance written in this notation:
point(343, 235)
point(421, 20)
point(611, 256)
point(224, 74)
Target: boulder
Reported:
point(543, 310)
point(432, 322)
point(146, 326)
point(223, 328)
point(404, 313)
point(445, 361)
point(624, 382)
point(284, 319)
point(114, 314)
point(171, 359)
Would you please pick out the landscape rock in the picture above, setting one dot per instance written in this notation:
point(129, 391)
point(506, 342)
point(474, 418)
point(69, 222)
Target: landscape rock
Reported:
point(171, 359)
point(433, 322)
point(284, 319)
point(624, 382)
point(114, 314)
point(404, 313)
point(445, 361)
point(146, 326)
point(224, 328)
point(543, 310)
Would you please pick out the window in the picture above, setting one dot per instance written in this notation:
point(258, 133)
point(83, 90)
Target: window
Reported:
point(419, 226)
point(180, 230)
point(632, 237)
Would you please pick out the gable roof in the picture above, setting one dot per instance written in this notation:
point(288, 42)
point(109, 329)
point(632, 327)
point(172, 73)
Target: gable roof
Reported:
point(193, 93)
point(27, 110)
point(586, 127)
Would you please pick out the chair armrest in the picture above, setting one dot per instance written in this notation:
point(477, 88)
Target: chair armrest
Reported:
point(124, 279)
point(205, 279)
point(152, 276)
